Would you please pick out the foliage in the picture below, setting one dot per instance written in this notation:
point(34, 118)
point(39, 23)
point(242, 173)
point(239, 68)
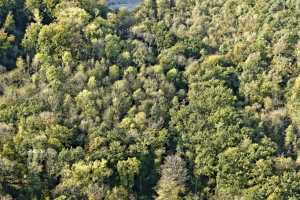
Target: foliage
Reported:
point(176, 99)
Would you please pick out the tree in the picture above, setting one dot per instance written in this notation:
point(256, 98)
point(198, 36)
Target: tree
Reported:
point(113, 47)
point(293, 105)
point(127, 170)
point(6, 43)
point(154, 9)
point(9, 24)
point(82, 176)
point(30, 40)
point(118, 193)
point(171, 185)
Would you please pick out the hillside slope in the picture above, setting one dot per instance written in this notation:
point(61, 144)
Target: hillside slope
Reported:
point(174, 100)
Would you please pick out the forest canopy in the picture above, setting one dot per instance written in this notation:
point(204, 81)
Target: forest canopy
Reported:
point(174, 100)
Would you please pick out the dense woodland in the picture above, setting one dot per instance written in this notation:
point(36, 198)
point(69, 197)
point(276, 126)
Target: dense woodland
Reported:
point(175, 100)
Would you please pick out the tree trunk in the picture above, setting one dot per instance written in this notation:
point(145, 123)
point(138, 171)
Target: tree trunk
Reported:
point(172, 4)
point(154, 8)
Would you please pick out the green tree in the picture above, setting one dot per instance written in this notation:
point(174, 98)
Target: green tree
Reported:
point(127, 170)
